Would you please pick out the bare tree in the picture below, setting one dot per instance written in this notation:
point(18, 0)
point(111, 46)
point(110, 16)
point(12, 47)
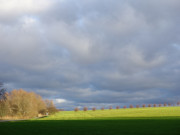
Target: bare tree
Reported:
point(131, 106)
point(102, 108)
point(50, 106)
point(137, 106)
point(76, 109)
point(4, 108)
point(2, 92)
point(94, 109)
point(85, 109)
point(27, 104)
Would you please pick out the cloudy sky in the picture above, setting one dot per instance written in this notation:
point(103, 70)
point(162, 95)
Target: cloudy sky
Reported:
point(92, 52)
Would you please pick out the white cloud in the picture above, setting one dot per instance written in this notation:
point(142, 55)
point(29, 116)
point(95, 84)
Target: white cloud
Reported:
point(89, 50)
point(59, 100)
point(33, 6)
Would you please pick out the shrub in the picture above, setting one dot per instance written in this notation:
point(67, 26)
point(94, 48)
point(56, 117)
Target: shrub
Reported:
point(125, 107)
point(85, 109)
point(76, 109)
point(61, 110)
point(137, 106)
point(94, 109)
point(102, 108)
point(110, 108)
point(143, 105)
point(149, 105)
point(160, 105)
point(169, 104)
point(23, 104)
point(4, 108)
point(131, 106)
point(50, 107)
point(154, 105)
point(165, 104)
point(43, 111)
point(117, 107)
point(27, 104)
point(178, 103)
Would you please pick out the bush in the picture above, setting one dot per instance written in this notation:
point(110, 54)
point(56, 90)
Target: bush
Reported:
point(149, 105)
point(85, 109)
point(131, 106)
point(51, 109)
point(137, 106)
point(117, 107)
point(76, 109)
point(125, 107)
point(94, 109)
point(4, 108)
point(23, 104)
point(143, 105)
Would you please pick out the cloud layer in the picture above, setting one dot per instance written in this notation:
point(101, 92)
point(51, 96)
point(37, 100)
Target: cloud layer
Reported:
point(92, 52)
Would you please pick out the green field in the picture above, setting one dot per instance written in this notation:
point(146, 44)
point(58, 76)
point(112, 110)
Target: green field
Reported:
point(141, 121)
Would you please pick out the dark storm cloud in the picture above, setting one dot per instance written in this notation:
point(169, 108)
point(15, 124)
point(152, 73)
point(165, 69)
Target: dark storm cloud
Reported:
point(92, 52)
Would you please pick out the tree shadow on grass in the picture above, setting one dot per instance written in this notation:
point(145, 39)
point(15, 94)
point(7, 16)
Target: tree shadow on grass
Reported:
point(121, 126)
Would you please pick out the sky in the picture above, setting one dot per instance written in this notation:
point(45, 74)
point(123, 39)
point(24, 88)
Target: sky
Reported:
point(92, 52)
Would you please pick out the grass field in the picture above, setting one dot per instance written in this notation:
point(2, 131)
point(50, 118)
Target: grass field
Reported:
point(141, 121)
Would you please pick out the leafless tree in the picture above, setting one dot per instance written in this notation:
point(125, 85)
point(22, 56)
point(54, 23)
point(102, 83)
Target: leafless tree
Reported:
point(2, 92)
point(85, 109)
point(137, 106)
point(131, 106)
point(76, 109)
point(94, 109)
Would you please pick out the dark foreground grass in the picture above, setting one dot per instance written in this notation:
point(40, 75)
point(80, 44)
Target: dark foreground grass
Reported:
point(130, 126)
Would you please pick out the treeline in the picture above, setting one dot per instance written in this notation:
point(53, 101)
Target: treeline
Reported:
point(131, 106)
point(23, 104)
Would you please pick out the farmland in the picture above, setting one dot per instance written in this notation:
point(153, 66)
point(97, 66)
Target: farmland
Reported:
point(117, 113)
point(135, 121)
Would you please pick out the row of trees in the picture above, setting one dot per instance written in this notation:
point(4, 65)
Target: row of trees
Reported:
point(23, 104)
point(131, 106)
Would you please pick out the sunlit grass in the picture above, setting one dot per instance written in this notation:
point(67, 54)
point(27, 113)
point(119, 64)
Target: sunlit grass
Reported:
point(134, 121)
point(117, 113)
